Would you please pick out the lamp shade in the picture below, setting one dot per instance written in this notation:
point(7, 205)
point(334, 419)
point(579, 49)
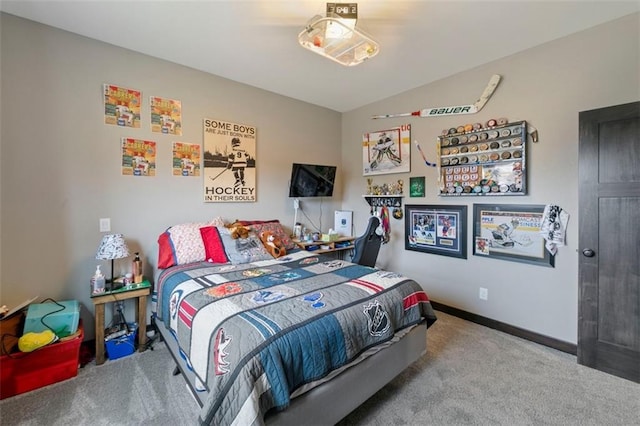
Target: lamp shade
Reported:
point(112, 247)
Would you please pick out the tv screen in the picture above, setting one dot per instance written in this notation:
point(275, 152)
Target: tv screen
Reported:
point(310, 180)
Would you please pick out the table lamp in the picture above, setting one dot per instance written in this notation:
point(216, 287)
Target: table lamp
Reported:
point(112, 247)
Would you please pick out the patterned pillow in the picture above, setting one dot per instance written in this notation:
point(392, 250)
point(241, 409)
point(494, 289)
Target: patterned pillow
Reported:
point(183, 243)
point(243, 250)
point(276, 228)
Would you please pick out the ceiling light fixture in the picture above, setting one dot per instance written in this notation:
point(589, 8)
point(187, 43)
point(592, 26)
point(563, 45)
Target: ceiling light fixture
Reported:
point(336, 37)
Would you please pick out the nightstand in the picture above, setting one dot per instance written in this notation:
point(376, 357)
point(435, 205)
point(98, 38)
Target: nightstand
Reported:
point(139, 291)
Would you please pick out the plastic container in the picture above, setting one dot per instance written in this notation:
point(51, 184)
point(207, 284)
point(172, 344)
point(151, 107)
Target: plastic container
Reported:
point(22, 372)
point(124, 345)
point(63, 322)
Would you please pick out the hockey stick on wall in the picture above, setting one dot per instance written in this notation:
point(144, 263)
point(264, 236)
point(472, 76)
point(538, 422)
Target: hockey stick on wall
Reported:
point(452, 110)
point(427, 162)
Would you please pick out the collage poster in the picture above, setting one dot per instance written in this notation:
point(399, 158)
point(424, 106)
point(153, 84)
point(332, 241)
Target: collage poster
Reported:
point(138, 157)
point(387, 151)
point(121, 106)
point(186, 159)
point(229, 171)
point(166, 116)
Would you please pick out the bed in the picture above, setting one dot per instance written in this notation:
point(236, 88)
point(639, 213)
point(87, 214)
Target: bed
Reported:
point(287, 340)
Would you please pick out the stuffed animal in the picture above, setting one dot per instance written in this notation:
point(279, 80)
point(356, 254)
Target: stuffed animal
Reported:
point(273, 244)
point(237, 230)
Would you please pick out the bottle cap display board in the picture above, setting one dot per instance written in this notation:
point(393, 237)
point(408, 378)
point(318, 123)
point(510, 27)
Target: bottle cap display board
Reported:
point(484, 161)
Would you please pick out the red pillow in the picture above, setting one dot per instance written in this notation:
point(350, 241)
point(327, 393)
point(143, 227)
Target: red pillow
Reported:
point(165, 251)
point(213, 246)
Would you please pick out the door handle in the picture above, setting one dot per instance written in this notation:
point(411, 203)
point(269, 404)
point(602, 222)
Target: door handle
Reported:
point(588, 253)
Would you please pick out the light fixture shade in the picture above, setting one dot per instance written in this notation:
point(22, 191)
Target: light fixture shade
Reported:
point(112, 247)
point(334, 39)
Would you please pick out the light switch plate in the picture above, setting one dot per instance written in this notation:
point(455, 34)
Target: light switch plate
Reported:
point(105, 224)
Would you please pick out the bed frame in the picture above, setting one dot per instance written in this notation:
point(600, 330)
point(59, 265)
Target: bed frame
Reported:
point(343, 393)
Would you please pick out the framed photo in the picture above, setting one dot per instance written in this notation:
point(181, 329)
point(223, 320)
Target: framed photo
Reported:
point(436, 229)
point(387, 151)
point(510, 232)
point(416, 186)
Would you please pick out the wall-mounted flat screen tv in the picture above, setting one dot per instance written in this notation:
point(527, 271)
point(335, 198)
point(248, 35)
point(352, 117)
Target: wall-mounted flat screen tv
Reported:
point(312, 180)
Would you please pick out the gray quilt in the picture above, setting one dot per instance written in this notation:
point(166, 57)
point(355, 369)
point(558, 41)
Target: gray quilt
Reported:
point(254, 333)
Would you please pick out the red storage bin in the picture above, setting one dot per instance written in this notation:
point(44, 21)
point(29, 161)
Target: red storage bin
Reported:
point(22, 372)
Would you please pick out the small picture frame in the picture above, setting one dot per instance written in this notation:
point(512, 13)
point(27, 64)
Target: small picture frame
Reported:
point(436, 229)
point(416, 186)
point(510, 232)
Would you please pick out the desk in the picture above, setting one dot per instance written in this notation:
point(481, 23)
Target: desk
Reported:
point(338, 246)
point(139, 291)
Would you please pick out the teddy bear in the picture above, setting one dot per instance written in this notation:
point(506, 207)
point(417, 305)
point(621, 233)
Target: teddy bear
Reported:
point(273, 244)
point(237, 230)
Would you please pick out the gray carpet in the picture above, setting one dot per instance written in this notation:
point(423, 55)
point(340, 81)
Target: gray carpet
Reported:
point(471, 375)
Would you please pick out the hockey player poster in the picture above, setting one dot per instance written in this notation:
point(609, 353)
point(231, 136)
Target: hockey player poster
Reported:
point(510, 232)
point(229, 162)
point(387, 151)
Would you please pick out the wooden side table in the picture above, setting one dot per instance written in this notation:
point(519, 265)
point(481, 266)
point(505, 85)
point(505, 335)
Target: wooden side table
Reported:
point(338, 247)
point(139, 291)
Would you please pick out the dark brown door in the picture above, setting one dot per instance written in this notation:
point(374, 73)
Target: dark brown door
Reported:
point(609, 240)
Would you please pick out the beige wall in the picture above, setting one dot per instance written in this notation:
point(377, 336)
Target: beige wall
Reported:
point(547, 86)
point(59, 163)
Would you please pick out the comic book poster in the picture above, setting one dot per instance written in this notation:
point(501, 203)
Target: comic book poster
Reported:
point(166, 116)
point(186, 159)
point(387, 151)
point(138, 157)
point(229, 171)
point(121, 106)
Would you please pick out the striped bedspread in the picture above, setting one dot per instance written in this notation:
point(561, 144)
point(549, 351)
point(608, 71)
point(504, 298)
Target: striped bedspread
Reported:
point(254, 333)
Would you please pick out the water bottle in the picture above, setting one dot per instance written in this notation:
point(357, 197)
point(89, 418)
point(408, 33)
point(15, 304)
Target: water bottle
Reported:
point(137, 269)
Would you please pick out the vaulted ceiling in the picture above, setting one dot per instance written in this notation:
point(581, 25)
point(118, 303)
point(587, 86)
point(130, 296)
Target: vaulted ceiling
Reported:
point(255, 42)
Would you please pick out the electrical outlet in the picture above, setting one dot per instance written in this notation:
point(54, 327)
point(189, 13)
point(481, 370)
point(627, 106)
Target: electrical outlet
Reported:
point(296, 203)
point(484, 293)
point(105, 224)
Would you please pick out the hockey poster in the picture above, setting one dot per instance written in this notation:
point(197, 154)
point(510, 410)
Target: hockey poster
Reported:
point(121, 106)
point(510, 232)
point(186, 159)
point(229, 171)
point(166, 116)
point(138, 157)
point(387, 151)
